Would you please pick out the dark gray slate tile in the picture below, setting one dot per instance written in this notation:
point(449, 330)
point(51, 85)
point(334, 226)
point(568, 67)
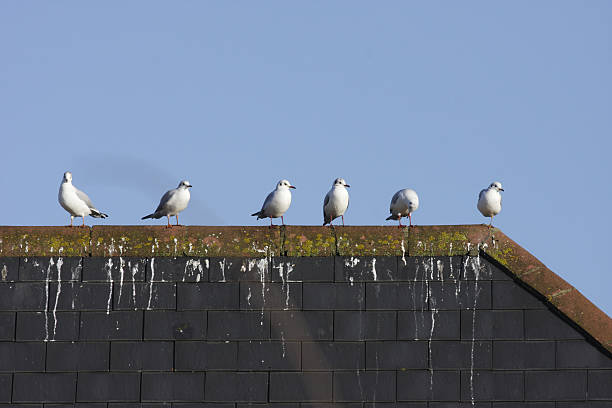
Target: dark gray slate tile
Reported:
point(555, 385)
point(304, 268)
point(304, 386)
point(600, 384)
point(396, 296)
point(334, 404)
point(364, 325)
point(171, 325)
point(581, 354)
point(364, 386)
point(102, 269)
point(492, 324)
point(177, 269)
point(50, 268)
point(144, 295)
point(6, 385)
point(233, 269)
point(516, 404)
point(327, 355)
point(36, 387)
point(23, 296)
point(15, 357)
point(173, 386)
point(544, 324)
point(269, 355)
point(7, 326)
point(208, 296)
point(487, 271)
point(333, 296)
point(424, 385)
point(459, 295)
point(308, 325)
point(204, 405)
point(77, 356)
point(465, 354)
point(228, 386)
point(238, 325)
point(480, 385)
point(111, 326)
point(37, 326)
point(270, 296)
point(108, 387)
point(520, 355)
point(430, 268)
point(366, 268)
point(83, 296)
point(9, 268)
point(425, 325)
point(204, 356)
point(141, 356)
point(510, 295)
point(396, 355)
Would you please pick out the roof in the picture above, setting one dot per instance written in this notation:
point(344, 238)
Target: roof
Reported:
point(237, 241)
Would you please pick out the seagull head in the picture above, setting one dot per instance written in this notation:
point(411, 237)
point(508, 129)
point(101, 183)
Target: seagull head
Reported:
point(67, 177)
point(284, 184)
point(496, 185)
point(184, 184)
point(340, 182)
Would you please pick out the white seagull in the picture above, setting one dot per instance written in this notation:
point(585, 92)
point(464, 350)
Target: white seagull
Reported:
point(172, 203)
point(76, 202)
point(336, 202)
point(489, 200)
point(276, 203)
point(403, 204)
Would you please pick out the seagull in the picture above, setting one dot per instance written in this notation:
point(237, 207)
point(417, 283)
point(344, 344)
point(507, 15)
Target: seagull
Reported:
point(172, 203)
point(76, 202)
point(489, 201)
point(336, 202)
point(403, 204)
point(276, 203)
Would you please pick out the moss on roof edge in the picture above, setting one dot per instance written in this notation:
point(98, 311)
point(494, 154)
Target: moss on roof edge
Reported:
point(237, 241)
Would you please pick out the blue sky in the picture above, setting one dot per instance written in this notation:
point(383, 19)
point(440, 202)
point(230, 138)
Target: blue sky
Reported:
point(442, 97)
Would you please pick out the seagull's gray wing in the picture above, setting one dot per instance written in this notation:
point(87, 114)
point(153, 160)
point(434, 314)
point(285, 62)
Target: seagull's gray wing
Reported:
point(324, 205)
point(266, 202)
point(94, 211)
point(164, 200)
point(482, 192)
point(394, 200)
point(84, 197)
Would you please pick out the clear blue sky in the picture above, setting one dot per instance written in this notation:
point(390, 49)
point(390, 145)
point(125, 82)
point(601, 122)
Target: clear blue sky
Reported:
point(443, 97)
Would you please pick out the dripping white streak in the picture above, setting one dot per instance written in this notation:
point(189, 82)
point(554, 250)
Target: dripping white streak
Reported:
point(151, 284)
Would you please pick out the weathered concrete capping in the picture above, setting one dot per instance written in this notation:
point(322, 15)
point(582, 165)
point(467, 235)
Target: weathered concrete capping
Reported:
point(239, 241)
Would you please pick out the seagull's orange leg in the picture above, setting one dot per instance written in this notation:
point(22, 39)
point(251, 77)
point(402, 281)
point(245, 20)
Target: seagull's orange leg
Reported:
point(169, 226)
point(83, 221)
point(343, 220)
point(177, 223)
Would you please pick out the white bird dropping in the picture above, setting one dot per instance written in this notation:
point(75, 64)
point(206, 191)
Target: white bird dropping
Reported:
point(489, 201)
point(403, 204)
point(276, 203)
point(172, 203)
point(76, 202)
point(336, 202)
